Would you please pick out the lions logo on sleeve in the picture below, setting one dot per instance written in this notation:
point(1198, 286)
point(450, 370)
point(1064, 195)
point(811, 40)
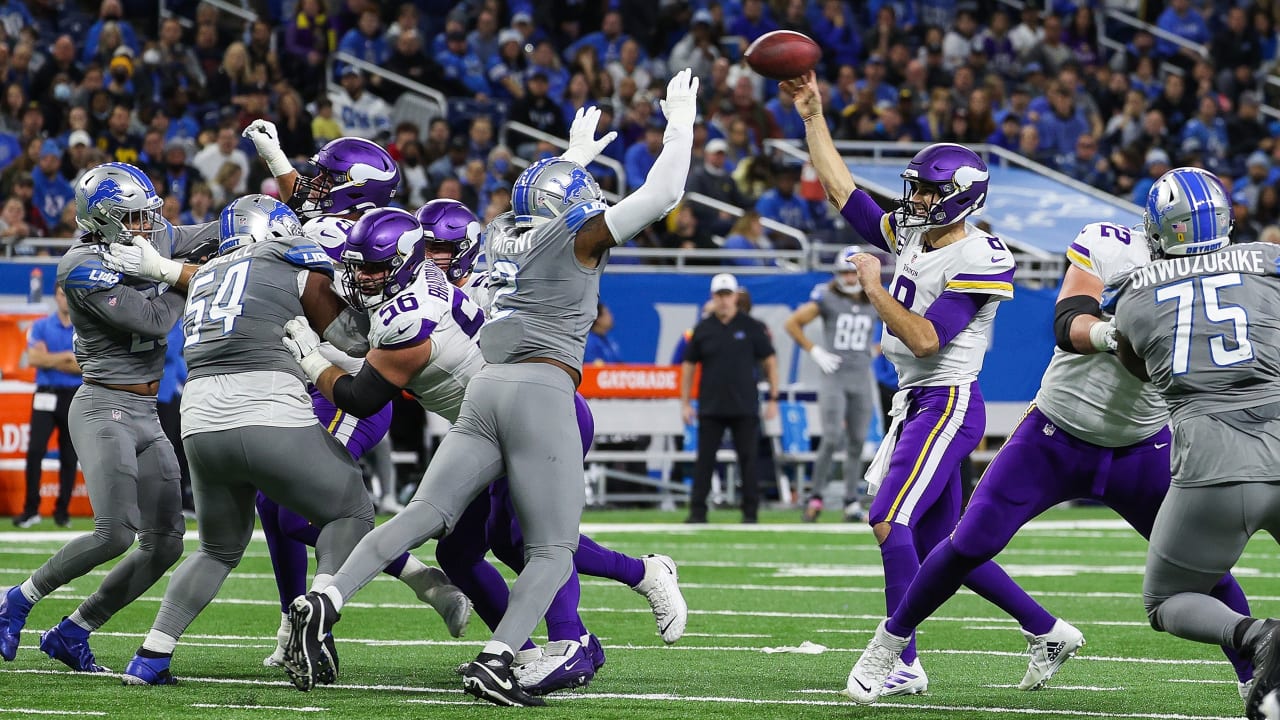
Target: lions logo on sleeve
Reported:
point(1108, 251)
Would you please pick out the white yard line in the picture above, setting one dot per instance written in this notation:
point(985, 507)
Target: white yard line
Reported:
point(213, 706)
point(53, 536)
point(34, 711)
point(1084, 688)
point(587, 695)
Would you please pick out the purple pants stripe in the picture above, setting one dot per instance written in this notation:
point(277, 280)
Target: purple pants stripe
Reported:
point(358, 435)
point(943, 425)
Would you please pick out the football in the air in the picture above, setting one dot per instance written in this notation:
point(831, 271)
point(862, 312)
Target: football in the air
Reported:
point(783, 54)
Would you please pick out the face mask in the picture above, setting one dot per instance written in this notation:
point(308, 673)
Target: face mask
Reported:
point(501, 165)
point(62, 92)
point(120, 76)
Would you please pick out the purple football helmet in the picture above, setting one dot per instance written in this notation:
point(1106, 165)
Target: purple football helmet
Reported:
point(352, 174)
point(452, 235)
point(382, 256)
point(954, 174)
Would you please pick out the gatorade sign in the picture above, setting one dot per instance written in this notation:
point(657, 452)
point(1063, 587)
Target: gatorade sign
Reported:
point(631, 381)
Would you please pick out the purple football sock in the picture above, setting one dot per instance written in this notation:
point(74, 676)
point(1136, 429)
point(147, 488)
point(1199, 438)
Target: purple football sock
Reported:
point(939, 577)
point(596, 560)
point(991, 582)
point(898, 554)
point(288, 556)
point(1228, 591)
point(562, 617)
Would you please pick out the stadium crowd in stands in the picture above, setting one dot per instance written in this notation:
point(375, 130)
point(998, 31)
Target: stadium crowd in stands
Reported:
point(112, 81)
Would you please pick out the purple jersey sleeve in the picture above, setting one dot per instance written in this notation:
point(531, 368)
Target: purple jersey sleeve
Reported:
point(952, 312)
point(870, 222)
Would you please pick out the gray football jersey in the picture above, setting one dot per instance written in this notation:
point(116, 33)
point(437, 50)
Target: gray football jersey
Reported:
point(1207, 327)
point(848, 329)
point(544, 300)
point(121, 322)
point(238, 303)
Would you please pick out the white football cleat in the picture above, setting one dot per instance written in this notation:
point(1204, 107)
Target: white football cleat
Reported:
point(906, 679)
point(868, 676)
point(1048, 652)
point(661, 588)
point(276, 659)
point(1245, 688)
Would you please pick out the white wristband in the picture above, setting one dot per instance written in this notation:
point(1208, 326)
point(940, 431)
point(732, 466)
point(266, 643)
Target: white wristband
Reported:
point(314, 366)
point(1102, 336)
point(277, 163)
point(170, 271)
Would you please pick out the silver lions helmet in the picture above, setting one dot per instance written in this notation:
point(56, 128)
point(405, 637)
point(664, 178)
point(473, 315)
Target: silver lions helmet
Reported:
point(548, 188)
point(844, 267)
point(1187, 213)
point(115, 201)
point(255, 218)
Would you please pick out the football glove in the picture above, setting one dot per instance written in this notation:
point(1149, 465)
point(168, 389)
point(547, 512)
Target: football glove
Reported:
point(583, 145)
point(680, 107)
point(266, 139)
point(827, 361)
point(1102, 335)
point(304, 343)
point(140, 259)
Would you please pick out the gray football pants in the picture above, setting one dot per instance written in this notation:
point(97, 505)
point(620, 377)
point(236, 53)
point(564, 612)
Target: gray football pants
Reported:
point(845, 406)
point(134, 484)
point(303, 469)
point(520, 419)
point(1198, 536)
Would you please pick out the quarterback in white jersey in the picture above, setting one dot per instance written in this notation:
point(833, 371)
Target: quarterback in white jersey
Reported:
point(938, 318)
point(977, 264)
point(1094, 432)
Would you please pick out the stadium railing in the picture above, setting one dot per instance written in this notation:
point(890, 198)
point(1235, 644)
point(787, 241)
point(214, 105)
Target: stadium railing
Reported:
point(429, 94)
point(504, 132)
point(1159, 32)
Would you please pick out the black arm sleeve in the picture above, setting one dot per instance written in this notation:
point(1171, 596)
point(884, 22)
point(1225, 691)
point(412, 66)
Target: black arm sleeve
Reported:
point(1065, 312)
point(365, 394)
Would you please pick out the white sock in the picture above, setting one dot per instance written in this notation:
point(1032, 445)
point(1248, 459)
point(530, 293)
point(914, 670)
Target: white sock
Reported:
point(334, 596)
point(412, 567)
point(285, 626)
point(494, 647)
point(78, 619)
point(321, 581)
point(30, 592)
point(159, 642)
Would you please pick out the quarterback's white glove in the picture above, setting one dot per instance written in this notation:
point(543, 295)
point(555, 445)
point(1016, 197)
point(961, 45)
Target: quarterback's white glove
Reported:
point(138, 258)
point(266, 139)
point(680, 107)
point(304, 343)
point(583, 145)
point(1102, 336)
point(827, 361)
